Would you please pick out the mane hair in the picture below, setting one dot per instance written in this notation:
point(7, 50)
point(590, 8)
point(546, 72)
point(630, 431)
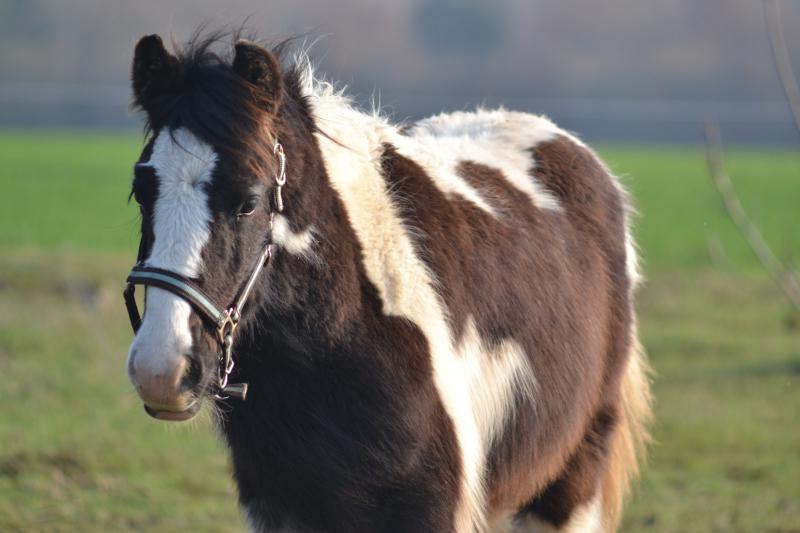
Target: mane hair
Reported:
point(207, 97)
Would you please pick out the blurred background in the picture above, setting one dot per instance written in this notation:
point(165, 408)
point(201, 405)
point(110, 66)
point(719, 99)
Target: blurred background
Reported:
point(635, 79)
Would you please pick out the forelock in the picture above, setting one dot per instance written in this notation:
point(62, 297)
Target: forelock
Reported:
point(213, 102)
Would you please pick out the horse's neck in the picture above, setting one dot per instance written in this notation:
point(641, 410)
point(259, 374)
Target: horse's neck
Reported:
point(317, 278)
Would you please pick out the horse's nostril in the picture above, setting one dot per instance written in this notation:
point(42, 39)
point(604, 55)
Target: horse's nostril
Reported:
point(193, 374)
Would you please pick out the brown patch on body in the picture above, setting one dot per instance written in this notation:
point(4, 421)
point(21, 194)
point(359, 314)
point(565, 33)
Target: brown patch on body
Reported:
point(596, 208)
point(556, 284)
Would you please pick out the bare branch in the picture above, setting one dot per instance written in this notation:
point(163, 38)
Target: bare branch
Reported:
point(780, 54)
point(784, 278)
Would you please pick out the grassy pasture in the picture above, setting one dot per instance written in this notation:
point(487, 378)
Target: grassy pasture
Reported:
point(78, 454)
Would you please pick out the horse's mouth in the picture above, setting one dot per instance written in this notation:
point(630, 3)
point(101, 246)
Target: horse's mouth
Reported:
point(174, 416)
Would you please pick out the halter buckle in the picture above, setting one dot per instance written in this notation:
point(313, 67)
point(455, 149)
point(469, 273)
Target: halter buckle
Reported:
point(225, 334)
point(226, 390)
point(228, 325)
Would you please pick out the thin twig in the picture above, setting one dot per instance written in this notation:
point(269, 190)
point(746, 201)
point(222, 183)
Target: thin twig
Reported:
point(784, 278)
point(780, 54)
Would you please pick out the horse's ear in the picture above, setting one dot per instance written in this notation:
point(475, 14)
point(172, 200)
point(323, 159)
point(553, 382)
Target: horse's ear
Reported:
point(261, 68)
point(154, 69)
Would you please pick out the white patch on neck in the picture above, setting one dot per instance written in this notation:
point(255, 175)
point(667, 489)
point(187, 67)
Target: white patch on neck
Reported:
point(499, 139)
point(181, 224)
point(477, 384)
point(406, 288)
point(366, 134)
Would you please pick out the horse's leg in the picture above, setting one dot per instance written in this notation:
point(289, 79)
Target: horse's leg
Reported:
point(587, 496)
point(573, 502)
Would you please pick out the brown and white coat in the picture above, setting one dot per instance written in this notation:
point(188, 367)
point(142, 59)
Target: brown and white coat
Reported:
point(445, 339)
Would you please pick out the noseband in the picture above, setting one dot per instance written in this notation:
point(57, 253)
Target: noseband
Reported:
point(224, 319)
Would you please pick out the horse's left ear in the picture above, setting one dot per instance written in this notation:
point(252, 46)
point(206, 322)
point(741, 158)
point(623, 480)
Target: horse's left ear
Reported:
point(154, 70)
point(261, 68)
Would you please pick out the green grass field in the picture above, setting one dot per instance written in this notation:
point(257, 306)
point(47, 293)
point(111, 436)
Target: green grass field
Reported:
point(77, 453)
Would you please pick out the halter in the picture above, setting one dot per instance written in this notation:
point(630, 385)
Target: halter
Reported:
point(224, 319)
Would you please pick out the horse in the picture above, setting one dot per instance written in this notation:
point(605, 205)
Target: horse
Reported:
point(426, 326)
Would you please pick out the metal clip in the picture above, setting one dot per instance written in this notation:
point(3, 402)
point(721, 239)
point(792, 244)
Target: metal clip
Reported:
point(280, 178)
point(228, 355)
point(226, 361)
point(226, 390)
point(278, 199)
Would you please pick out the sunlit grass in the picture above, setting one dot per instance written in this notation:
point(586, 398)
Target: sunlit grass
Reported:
point(726, 350)
point(68, 191)
point(78, 452)
point(681, 216)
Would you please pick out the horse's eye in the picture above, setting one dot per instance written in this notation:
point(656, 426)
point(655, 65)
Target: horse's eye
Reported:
point(248, 207)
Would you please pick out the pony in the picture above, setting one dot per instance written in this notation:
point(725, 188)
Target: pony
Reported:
point(417, 327)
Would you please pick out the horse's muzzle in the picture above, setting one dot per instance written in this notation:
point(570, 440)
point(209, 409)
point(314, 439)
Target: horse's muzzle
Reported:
point(167, 389)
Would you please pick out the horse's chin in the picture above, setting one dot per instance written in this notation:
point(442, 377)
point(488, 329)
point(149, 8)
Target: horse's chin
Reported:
point(174, 416)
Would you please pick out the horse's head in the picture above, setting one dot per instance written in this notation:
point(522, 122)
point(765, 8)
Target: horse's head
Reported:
point(205, 185)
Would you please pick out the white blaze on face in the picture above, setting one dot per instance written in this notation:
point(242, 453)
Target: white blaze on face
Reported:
point(183, 166)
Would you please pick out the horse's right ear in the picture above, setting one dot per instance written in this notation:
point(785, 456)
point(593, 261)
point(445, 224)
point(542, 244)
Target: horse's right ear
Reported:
point(154, 69)
point(259, 67)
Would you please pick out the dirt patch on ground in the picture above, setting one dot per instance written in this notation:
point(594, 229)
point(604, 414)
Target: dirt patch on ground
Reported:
point(60, 462)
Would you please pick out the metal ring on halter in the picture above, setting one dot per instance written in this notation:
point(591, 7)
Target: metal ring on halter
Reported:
point(226, 367)
point(280, 178)
point(228, 324)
